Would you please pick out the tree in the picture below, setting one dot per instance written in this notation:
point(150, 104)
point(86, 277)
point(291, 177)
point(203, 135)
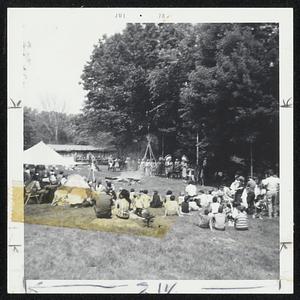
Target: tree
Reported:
point(217, 80)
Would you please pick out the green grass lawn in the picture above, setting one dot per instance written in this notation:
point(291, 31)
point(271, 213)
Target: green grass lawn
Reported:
point(184, 252)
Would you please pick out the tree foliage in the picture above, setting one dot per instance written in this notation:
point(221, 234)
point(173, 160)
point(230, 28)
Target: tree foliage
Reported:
point(174, 81)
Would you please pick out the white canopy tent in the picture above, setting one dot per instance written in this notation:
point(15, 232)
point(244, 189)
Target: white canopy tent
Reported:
point(41, 154)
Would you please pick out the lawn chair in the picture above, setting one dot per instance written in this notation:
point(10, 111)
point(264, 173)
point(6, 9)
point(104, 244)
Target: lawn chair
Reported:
point(33, 191)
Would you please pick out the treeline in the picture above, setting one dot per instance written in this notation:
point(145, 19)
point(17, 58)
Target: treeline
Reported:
point(219, 81)
point(59, 128)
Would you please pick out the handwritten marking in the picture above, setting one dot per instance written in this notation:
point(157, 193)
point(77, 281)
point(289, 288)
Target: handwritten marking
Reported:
point(235, 288)
point(283, 245)
point(286, 104)
point(86, 285)
point(279, 284)
point(15, 105)
point(15, 249)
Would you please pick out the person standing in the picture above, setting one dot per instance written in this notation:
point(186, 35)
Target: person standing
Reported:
point(250, 188)
point(271, 184)
point(239, 191)
point(184, 166)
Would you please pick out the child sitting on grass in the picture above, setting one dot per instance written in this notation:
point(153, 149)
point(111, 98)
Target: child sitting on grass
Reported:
point(218, 219)
point(228, 213)
point(184, 208)
point(214, 206)
point(205, 219)
point(260, 207)
point(172, 207)
point(241, 220)
point(168, 195)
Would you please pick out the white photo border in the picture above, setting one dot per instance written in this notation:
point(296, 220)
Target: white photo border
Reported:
point(15, 230)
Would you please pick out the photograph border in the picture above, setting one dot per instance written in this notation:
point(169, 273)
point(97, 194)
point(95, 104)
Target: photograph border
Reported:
point(15, 230)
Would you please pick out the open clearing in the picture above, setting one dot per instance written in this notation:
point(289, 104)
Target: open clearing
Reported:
point(184, 252)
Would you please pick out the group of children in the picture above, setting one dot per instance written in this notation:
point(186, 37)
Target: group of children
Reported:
point(214, 211)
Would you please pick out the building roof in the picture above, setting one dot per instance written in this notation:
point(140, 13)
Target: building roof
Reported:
point(85, 148)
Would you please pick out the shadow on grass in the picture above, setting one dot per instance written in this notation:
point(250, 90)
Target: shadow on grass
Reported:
point(84, 218)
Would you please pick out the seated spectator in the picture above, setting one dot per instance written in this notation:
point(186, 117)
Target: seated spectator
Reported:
point(63, 180)
point(205, 219)
point(155, 203)
point(168, 195)
point(214, 206)
point(218, 220)
point(241, 220)
point(191, 189)
point(132, 194)
point(235, 210)
point(138, 204)
point(260, 206)
point(146, 199)
point(181, 198)
point(193, 205)
point(203, 201)
point(53, 179)
point(102, 205)
point(184, 208)
point(123, 204)
point(171, 207)
point(99, 186)
point(209, 196)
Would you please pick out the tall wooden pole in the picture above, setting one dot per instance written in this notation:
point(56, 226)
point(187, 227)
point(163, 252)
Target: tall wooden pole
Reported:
point(251, 161)
point(197, 149)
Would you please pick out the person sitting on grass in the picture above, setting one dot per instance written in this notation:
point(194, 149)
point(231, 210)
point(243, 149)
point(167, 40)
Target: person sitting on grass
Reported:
point(168, 195)
point(172, 207)
point(205, 219)
point(184, 208)
point(155, 203)
point(228, 213)
point(99, 186)
point(139, 203)
point(146, 199)
point(123, 205)
point(218, 220)
point(132, 194)
point(193, 205)
point(110, 189)
point(102, 205)
point(203, 201)
point(214, 206)
point(241, 220)
point(260, 206)
point(181, 198)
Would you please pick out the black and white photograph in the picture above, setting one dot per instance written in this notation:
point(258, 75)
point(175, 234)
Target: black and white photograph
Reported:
point(151, 150)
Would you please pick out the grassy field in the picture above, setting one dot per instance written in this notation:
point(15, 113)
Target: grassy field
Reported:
point(184, 252)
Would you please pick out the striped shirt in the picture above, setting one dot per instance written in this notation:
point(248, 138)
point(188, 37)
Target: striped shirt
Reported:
point(241, 221)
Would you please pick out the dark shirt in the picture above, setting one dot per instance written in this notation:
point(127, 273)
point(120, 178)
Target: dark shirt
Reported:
point(185, 207)
point(155, 201)
point(103, 205)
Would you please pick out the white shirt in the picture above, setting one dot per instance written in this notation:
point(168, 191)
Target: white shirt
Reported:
point(191, 190)
point(214, 207)
point(271, 183)
point(234, 185)
point(203, 200)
